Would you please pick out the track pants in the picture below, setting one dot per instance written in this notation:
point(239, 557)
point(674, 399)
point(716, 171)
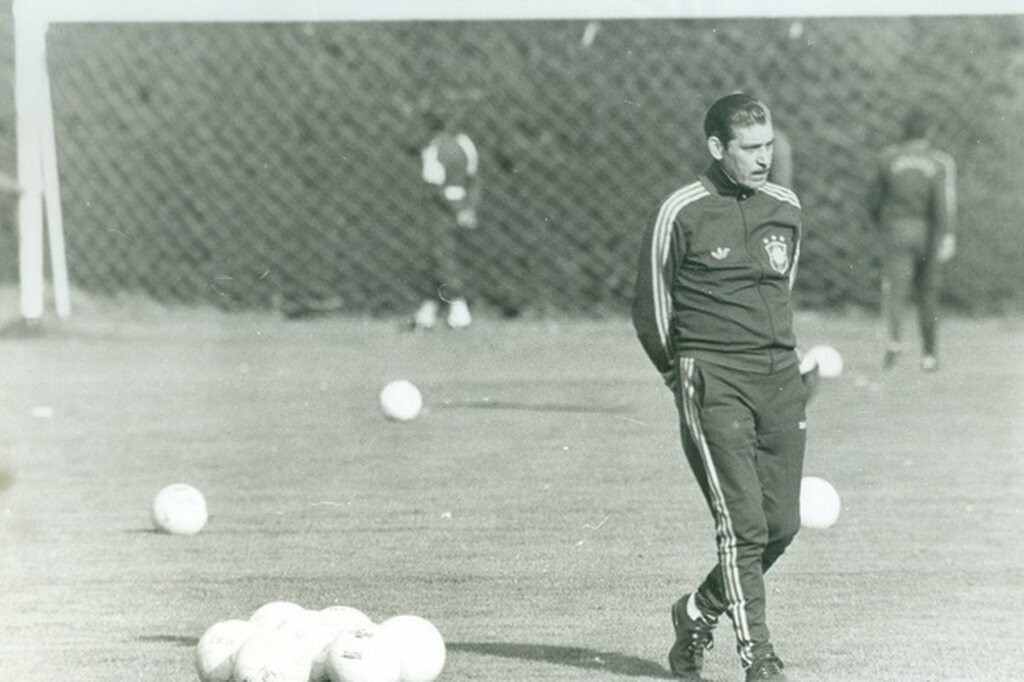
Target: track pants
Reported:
point(446, 268)
point(744, 435)
point(911, 274)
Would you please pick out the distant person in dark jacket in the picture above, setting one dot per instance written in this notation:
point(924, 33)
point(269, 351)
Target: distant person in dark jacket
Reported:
point(913, 203)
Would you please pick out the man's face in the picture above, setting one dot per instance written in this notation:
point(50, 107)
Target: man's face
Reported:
point(748, 156)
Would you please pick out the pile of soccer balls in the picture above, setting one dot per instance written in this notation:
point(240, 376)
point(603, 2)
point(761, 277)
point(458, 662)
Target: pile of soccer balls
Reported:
point(284, 642)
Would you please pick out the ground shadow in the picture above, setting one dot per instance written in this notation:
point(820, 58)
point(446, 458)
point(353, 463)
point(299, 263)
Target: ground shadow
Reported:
point(180, 640)
point(492, 404)
point(154, 531)
point(576, 657)
point(21, 329)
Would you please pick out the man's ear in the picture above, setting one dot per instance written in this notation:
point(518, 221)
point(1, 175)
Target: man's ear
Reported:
point(716, 148)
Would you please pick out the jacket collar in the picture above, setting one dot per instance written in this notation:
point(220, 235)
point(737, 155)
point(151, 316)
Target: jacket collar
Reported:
point(724, 185)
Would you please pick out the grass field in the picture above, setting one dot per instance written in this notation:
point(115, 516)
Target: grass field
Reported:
point(538, 512)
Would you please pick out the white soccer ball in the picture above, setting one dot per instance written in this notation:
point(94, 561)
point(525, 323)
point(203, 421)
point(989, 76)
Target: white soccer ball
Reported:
point(312, 636)
point(419, 644)
point(807, 362)
point(346, 617)
point(819, 503)
point(274, 614)
point(270, 656)
point(828, 360)
point(315, 631)
point(401, 400)
point(179, 509)
point(362, 655)
point(215, 652)
point(336, 620)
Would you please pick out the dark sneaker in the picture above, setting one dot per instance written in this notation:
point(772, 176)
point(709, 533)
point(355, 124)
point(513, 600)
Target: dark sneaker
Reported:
point(686, 657)
point(767, 667)
point(892, 356)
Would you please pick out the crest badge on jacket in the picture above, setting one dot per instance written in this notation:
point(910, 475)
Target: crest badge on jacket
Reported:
point(778, 253)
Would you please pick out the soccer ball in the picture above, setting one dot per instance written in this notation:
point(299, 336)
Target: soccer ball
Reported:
point(315, 631)
point(275, 614)
point(179, 509)
point(270, 656)
point(215, 652)
point(362, 655)
point(419, 645)
point(401, 400)
point(346, 617)
point(807, 362)
point(828, 360)
point(337, 619)
point(819, 503)
point(312, 634)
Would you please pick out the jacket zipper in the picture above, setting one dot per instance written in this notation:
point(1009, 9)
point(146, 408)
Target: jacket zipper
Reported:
point(760, 280)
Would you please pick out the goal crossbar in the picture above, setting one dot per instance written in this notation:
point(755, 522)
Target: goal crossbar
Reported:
point(276, 11)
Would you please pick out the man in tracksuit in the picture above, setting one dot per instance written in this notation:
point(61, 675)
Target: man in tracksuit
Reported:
point(913, 202)
point(713, 312)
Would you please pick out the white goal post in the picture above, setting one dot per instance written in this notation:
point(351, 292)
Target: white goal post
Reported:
point(40, 223)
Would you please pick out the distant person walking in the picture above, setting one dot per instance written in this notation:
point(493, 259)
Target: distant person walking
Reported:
point(913, 203)
point(450, 166)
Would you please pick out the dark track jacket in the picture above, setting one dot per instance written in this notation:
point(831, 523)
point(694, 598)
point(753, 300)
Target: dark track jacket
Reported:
point(716, 269)
point(913, 195)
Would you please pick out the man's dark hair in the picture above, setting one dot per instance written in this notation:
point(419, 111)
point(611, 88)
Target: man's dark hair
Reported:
point(731, 112)
point(916, 125)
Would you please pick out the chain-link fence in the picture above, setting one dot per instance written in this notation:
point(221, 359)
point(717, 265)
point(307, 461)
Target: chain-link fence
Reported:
point(247, 164)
